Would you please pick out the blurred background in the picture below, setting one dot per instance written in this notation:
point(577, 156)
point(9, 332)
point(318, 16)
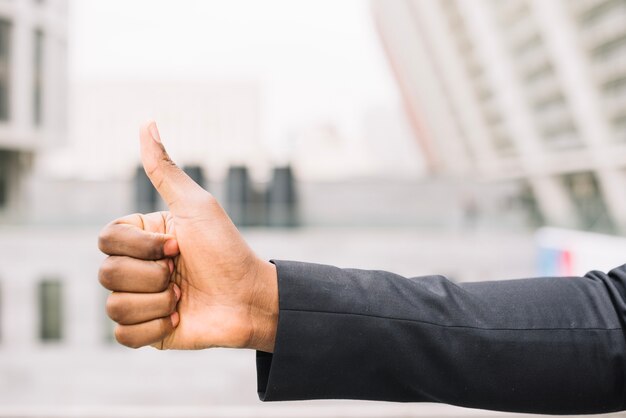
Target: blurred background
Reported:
point(481, 139)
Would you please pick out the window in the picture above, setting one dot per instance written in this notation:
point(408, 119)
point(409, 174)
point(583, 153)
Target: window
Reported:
point(584, 192)
point(5, 51)
point(50, 310)
point(238, 195)
point(3, 192)
point(108, 324)
point(146, 196)
point(38, 78)
point(282, 198)
point(523, 198)
point(4, 179)
point(196, 173)
point(1, 311)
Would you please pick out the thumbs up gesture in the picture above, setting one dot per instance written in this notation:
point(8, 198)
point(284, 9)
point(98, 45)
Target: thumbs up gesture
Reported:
point(185, 278)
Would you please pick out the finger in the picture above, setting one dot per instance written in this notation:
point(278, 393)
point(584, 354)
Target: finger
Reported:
point(127, 274)
point(146, 333)
point(126, 236)
point(135, 308)
point(172, 183)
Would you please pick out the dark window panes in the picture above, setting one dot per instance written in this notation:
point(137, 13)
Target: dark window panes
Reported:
point(4, 178)
point(108, 324)
point(3, 193)
point(146, 196)
point(50, 310)
point(38, 78)
point(239, 193)
point(1, 300)
point(584, 191)
point(282, 198)
point(196, 173)
point(5, 60)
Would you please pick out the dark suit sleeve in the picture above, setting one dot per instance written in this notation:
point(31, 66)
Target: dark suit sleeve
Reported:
point(545, 345)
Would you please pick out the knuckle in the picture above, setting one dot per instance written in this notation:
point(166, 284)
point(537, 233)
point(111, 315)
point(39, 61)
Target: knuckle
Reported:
point(151, 170)
point(114, 308)
point(164, 268)
point(105, 237)
point(155, 251)
point(105, 273)
point(124, 337)
point(163, 273)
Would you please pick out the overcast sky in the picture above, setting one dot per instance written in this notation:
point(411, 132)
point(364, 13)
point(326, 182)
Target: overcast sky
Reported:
point(316, 59)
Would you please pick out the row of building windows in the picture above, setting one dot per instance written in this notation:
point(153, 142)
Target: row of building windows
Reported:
point(6, 29)
point(550, 109)
point(247, 205)
point(50, 312)
point(583, 191)
point(602, 24)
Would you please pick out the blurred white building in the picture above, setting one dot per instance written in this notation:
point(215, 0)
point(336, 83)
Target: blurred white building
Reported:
point(208, 124)
point(213, 126)
point(524, 91)
point(32, 91)
point(384, 148)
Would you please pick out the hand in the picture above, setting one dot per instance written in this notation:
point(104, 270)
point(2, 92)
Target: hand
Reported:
point(185, 279)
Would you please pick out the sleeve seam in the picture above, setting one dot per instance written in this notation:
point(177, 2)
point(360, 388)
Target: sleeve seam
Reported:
point(454, 326)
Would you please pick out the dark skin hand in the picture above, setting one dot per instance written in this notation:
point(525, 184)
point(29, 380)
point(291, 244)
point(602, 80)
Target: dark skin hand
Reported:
point(185, 278)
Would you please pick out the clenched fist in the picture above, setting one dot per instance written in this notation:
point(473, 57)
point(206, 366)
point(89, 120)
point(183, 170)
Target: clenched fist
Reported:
point(185, 279)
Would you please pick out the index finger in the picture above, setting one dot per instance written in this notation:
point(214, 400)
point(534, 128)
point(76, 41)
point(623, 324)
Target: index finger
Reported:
point(127, 237)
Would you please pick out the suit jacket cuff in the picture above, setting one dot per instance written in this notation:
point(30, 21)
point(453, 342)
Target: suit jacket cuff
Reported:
point(300, 346)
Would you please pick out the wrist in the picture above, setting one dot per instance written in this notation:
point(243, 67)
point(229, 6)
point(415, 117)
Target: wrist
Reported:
point(264, 308)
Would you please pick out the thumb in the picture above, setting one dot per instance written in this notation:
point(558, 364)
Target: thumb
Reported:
point(172, 183)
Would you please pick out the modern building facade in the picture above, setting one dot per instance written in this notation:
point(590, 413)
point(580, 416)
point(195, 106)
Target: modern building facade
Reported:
point(531, 92)
point(33, 52)
point(210, 124)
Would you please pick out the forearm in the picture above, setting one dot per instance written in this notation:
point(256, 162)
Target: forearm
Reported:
point(550, 345)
